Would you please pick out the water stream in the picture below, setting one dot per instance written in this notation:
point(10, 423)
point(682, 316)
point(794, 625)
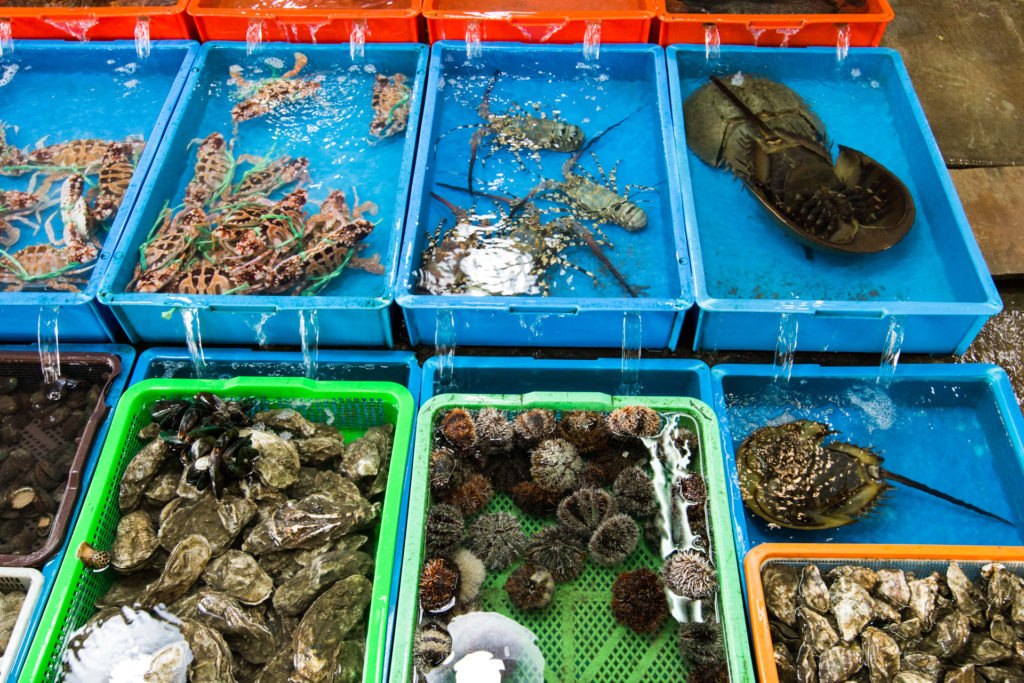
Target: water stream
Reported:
point(357, 41)
point(6, 40)
point(309, 334)
point(253, 36)
point(756, 32)
point(444, 349)
point(49, 344)
point(473, 39)
point(787, 34)
point(194, 340)
point(631, 350)
point(592, 41)
point(142, 45)
point(842, 42)
point(891, 351)
point(712, 42)
point(785, 348)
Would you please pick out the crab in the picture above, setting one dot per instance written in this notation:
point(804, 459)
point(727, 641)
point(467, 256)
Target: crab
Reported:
point(262, 97)
point(41, 263)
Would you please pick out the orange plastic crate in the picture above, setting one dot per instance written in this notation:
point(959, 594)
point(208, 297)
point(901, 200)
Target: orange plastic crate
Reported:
point(164, 22)
point(540, 21)
point(307, 21)
point(875, 556)
point(775, 30)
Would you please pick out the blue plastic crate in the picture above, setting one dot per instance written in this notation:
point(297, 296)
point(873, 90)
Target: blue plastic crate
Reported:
point(749, 273)
point(956, 428)
point(67, 91)
point(353, 309)
point(126, 354)
point(627, 84)
point(522, 375)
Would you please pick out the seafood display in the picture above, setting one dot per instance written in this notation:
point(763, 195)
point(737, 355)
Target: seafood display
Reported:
point(770, 139)
point(246, 534)
point(582, 482)
point(790, 477)
point(80, 181)
point(10, 607)
point(857, 622)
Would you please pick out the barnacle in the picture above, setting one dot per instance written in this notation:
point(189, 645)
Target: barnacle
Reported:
point(692, 488)
point(690, 574)
point(638, 600)
point(535, 425)
point(634, 421)
point(474, 494)
point(700, 643)
point(439, 584)
point(634, 492)
point(444, 529)
point(497, 539)
point(443, 475)
point(432, 646)
point(530, 587)
point(507, 470)
point(557, 551)
point(614, 540)
point(494, 432)
point(583, 511)
point(555, 465)
point(584, 429)
point(471, 575)
point(458, 430)
point(534, 500)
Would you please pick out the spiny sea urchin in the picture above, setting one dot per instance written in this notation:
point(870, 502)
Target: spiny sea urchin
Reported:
point(634, 421)
point(634, 493)
point(614, 540)
point(696, 515)
point(497, 539)
point(534, 500)
point(584, 429)
point(686, 440)
point(494, 432)
point(444, 529)
point(439, 585)
point(555, 465)
point(690, 574)
point(583, 511)
point(474, 494)
point(533, 426)
point(700, 643)
point(458, 430)
point(432, 646)
point(638, 600)
point(530, 587)
point(471, 575)
point(507, 469)
point(557, 551)
point(692, 488)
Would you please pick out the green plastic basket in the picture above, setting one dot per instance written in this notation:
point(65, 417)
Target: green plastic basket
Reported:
point(583, 642)
point(355, 407)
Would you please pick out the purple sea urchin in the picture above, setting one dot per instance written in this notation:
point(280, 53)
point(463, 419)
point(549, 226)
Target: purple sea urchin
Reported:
point(494, 432)
point(471, 575)
point(692, 488)
point(439, 585)
point(638, 600)
point(506, 470)
point(534, 426)
point(583, 511)
point(634, 421)
point(444, 529)
point(530, 587)
point(474, 494)
point(700, 643)
point(534, 500)
point(614, 540)
point(690, 574)
point(458, 430)
point(432, 646)
point(497, 539)
point(634, 493)
point(557, 551)
point(555, 465)
point(584, 429)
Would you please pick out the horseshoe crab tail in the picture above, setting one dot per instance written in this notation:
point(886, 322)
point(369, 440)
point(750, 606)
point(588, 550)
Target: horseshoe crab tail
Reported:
point(939, 494)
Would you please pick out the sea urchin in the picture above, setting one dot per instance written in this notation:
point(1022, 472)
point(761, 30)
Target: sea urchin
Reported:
point(690, 574)
point(638, 600)
point(555, 465)
point(497, 539)
point(530, 587)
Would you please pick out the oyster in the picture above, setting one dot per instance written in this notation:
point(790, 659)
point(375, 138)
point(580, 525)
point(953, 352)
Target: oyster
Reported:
point(881, 654)
point(813, 592)
point(922, 664)
point(912, 677)
point(366, 459)
point(186, 606)
point(784, 665)
point(780, 585)
point(307, 523)
point(127, 590)
point(318, 640)
point(839, 663)
point(184, 566)
point(866, 578)
point(212, 657)
point(239, 575)
point(892, 586)
point(162, 488)
point(983, 650)
point(1001, 631)
point(139, 472)
point(999, 674)
point(219, 521)
point(287, 420)
point(964, 674)
point(923, 593)
point(806, 665)
point(296, 594)
point(319, 450)
point(907, 631)
point(1001, 588)
point(816, 629)
point(278, 461)
point(278, 669)
point(949, 636)
point(244, 629)
point(134, 542)
point(966, 596)
point(851, 605)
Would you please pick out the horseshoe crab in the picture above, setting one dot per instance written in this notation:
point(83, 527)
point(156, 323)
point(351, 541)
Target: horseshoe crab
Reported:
point(766, 134)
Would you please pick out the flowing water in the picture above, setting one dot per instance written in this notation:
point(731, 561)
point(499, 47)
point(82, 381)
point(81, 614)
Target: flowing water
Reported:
point(444, 349)
point(592, 41)
point(309, 335)
point(76, 28)
point(785, 348)
point(6, 41)
point(142, 45)
point(357, 41)
point(891, 351)
point(473, 48)
point(49, 344)
point(787, 34)
point(842, 42)
point(712, 42)
point(194, 340)
point(757, 33)
point(253, 36)
point(632, 340)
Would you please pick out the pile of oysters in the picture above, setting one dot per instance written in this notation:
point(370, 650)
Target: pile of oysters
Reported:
point(256, 533)
point(860, 624)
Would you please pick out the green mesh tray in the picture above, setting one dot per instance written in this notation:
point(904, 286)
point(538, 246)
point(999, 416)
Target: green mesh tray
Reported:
point(577, 633)
point(355, 406)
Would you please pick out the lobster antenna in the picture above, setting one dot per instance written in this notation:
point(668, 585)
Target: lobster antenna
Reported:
point(939, 494)
point(755, 119)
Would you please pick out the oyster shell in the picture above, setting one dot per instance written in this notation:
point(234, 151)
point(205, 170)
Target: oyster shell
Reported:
point(219, 521)
point(184, 566)
point(212, 656)
point(964, 674)
point(866, 578)
point(885, 613)
point(307, 523)
point(185, 607)
point(1000, 588)
point(881, 654)
point(816, 629)
point(320, 450)
point(239, 575)
point(851, 605)
point(127, 590)
point(784, 665)
point(982, 650)
point(278, 669)
point(806, 665)
point(966, 596)
point(813, 592)
point(278, 461)
point(295, 595)
point(287, 420)
point(839, 663)
point(911, 677)
point(923, 593)
point(922, 664)
point(780, 583)
point(134, 542)
point(1000, 674)
point(892, 586)
point(243, 629)
point(1001, 631)
point(140, 470)
point(162, 488)
point(907, 631)
point(949, 636)
point(319, 636)
point(366, 459)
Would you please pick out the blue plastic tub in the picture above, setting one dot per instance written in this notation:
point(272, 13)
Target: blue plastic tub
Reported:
point(68, 91)
point(522, 375)
point(126, 354)
point(749, 273)
point(332, 130)
point(626, 86)
point(956, 428)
